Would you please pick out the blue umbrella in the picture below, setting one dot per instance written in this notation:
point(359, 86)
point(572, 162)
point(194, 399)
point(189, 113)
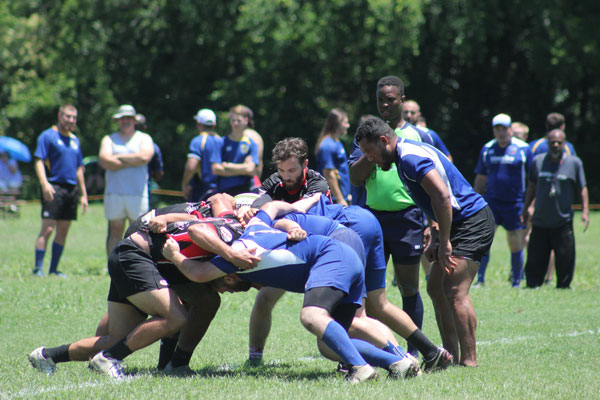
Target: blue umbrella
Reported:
point(15, 148)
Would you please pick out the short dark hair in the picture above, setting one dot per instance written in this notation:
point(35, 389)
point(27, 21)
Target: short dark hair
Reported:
point(391, 80)
point(290, 147)
point(554, 121)
point(372, 128)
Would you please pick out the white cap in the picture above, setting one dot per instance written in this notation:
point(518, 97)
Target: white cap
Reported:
point(125, 111)
point(501, 119)
point(206, 117)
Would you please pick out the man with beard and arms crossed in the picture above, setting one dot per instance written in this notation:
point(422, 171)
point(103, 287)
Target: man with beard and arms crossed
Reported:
point(466, 228)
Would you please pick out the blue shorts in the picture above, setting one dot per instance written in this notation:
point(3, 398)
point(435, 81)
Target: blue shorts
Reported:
point(507, 213)
point(402, 234)
point(367, 227)
point(338, 266)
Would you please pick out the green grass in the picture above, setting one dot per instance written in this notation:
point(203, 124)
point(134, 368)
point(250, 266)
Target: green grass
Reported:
point(532, 344)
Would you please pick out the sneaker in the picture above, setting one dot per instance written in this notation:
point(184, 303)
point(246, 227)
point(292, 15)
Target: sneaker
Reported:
point(442, 360)
point(361, 373)
point(41, 363)
point(408, 367)
point(107, 366)
point(57, 273)
point(39, 272)
point(182, 370)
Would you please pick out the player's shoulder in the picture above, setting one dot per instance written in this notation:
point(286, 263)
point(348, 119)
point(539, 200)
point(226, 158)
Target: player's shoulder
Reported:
point(519, 143)
point(312, 175)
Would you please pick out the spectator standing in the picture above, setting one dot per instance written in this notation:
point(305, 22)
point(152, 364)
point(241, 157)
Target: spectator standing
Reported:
point(199, 181)
point(554, 180)
point(520, 131)
point(156, 169)
point(411, 112)
point(553, 121)
point(125, 156)
point(332, 161)
point(239, 157)
point(59, 167)
point(246, 112)
point(501, 175)
point(10, 175)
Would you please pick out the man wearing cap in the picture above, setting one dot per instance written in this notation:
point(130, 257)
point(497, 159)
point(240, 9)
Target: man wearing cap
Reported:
point(125, 155)
point(501, 174)
point(199, 181)
point(59, 167)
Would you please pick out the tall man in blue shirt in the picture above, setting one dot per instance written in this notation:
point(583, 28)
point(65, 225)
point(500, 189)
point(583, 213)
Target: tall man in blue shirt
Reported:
point(501, 175)
point(59, 167)
point(466, 228)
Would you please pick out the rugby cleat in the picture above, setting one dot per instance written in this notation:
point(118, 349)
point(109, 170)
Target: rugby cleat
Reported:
point(41, 363)
point(406, 368)
point(442, 360)
point(361, 373)
point(107, 366)
point(182, 370)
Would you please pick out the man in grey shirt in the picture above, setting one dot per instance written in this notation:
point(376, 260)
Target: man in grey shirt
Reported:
point(554, 179)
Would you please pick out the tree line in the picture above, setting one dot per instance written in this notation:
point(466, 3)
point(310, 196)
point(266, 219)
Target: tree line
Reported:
point(291, 61)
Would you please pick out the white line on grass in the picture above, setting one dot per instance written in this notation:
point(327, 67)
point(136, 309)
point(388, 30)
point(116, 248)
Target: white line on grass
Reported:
point(526, 338)
point(28, 393)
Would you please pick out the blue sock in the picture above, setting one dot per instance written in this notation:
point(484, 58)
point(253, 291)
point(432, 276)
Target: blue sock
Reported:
point(373, 355)
point(482, 267)
point(392, 349)
point(413, 306)
point(337, 339)
point(39, 258)
point(516, 262)
point(57, 250)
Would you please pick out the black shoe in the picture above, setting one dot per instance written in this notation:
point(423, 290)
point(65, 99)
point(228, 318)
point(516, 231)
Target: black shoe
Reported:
point(442, 360)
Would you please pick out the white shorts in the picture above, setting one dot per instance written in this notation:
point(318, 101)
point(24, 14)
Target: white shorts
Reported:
point(119, 206)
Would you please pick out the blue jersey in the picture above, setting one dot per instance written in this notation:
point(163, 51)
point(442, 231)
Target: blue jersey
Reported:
point(506, 169)
point(313, 223)
point(61, 155)
point(332, 155)
point(236, 152)
point(540, 146)
point(316, 261)
point(206, 148)
point(438, 143)
point(156, 163)
point(414, 160)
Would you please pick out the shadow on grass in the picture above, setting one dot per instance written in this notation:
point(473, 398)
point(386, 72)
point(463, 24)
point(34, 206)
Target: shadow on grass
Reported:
point(280, 371)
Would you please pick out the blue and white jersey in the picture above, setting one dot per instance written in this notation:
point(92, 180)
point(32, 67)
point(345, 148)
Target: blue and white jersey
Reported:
point(314, 224)
point(438, 143)
point(414, 160)
point(206, 148)
point(324, 208)
point(332, 155)
point(61, 155)
point(540, 146)
point(506, 169)
point(236, 152)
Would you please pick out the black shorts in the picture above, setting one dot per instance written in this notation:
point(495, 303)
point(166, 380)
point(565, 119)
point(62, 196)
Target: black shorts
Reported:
point(471, 238)
point(402, 234)
point(64, 204)
point(329, 298)
point(132, 271)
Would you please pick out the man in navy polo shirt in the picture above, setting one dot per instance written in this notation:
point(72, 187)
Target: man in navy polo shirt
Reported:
point(59, 167)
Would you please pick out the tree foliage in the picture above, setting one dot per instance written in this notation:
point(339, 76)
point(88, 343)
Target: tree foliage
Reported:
point(293, 60)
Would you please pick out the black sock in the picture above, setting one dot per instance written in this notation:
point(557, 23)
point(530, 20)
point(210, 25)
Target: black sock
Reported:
point(180, 357)
point(420, 341)
point(119, 351)
point(57, 354)
point(167, 348)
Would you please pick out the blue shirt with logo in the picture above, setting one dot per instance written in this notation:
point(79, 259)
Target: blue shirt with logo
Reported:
point(61, 155)
point(332, 155)
point(506, 169)
point(236, 152)
point(415, 159)
point(206, 148)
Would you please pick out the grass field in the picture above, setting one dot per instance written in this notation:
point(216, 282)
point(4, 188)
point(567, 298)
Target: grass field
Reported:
point(532, 344)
